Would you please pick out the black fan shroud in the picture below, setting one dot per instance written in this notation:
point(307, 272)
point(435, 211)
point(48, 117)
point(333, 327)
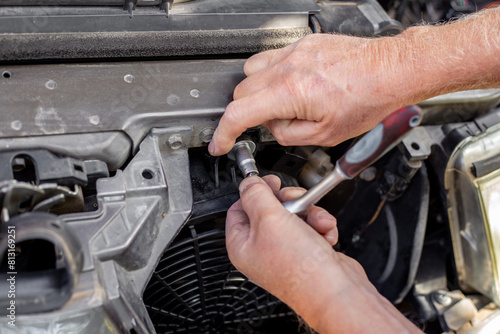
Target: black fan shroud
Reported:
point(196, 289)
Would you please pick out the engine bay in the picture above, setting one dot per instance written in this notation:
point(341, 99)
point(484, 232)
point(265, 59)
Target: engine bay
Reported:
point(113, 211)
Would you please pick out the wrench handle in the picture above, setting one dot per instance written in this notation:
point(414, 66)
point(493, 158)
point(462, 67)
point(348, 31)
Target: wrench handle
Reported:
point(379, 140)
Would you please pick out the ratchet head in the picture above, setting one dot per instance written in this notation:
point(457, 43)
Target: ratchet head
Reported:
point(379, 141)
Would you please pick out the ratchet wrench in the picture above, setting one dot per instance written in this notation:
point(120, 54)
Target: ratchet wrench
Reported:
point(365, 152)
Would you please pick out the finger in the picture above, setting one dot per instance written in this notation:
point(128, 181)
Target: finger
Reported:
point(248, 112)
point(261, 61)
point(237, 228)
point(255, 83)
point(290, 193)
point(301, 132)
point(274, 183)
point(273, 75)
point(324, 223)
point(318, 218)
point(260, 203)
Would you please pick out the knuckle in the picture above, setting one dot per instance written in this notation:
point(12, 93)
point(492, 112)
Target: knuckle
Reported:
point(237, 94)
point(294, 192)
point(231, 113)
point(323, 133)
point(291, 87)
point(277, 131)
point(248, 65)
point(253, 193)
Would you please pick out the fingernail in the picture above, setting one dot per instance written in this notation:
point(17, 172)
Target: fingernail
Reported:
point(325, 215)
point(211, 147)
point(331, 239)
point(295, 193)
point(248, 182)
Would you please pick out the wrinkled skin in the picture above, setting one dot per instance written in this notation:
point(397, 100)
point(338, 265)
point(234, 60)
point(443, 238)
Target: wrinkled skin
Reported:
point(323, 90)
point(294, 260)
point(320, 90)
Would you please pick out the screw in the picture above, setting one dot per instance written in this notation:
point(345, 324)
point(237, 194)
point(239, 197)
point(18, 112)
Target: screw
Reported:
point(442, 299)
point(175, 141)
point(206, 135)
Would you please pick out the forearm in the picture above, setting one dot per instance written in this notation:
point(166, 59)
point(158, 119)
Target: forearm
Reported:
point(441, 59)
point(330, 303)
point(365, 311)
point(327, 88)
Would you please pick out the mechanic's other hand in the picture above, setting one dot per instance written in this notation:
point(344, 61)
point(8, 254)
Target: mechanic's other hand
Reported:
point(320, 90)
point(288, 257)
point(318, 218)
point(279, 251)
point(258, 225)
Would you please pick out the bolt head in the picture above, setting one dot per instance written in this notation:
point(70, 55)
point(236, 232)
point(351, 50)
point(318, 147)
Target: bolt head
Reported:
point(206, 135)
point(442, 299)
point(175, 141)
point(248, 143)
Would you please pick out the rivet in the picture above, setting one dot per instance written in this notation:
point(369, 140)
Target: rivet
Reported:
point(195, 93)
point(51, 84)
point(129, 78)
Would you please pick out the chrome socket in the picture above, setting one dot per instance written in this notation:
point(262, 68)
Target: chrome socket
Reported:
point(242, 153)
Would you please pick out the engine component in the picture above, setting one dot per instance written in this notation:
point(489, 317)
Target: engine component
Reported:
point(196, 289)
point(103, 29)
point(151, 233)
point(114, 148)
point(126, 28)
point(366, 151)
point(317, 167)
point(473, 182)
point(159, 96)
point(359, 18)
point(19, 197)
point(459, 106)
point(38, 289)
point(40, 166)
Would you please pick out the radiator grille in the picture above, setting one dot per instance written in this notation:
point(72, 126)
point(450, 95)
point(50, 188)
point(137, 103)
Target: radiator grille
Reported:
point(195, 289)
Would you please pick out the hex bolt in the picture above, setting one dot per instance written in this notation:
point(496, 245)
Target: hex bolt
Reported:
point(175, 141)
point(206, 135)
point(442, 299)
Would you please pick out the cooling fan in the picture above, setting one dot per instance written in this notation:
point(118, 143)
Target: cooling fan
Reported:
point(195, 289)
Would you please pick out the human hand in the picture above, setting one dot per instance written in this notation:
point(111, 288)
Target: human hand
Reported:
point(279, 251)
point(258, 225)
point(320, 90)
point(294, 260)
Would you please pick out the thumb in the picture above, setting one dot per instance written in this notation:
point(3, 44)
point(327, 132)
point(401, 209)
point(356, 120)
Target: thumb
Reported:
point(259, 201)
point(237, 231)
